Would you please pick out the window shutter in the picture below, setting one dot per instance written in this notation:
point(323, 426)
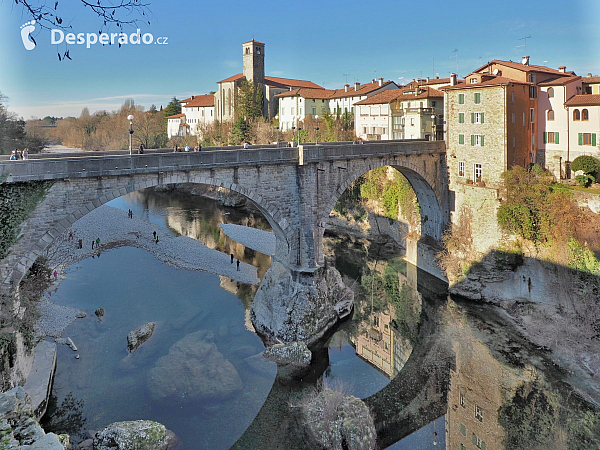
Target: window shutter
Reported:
point(482, 445)
point(474, 439)
point(461, 118)
point(481, 117)
point(580, 136)
point(556, 137)
point(461, 138)
point(472, 117)
point(472, 139)
point(545, 137)
point(482, 140)
point(594, 139)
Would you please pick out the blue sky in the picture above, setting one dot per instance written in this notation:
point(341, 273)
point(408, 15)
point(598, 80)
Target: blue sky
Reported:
point(327, 42)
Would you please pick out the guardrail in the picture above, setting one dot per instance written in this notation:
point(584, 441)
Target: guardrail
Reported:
point(109, 164)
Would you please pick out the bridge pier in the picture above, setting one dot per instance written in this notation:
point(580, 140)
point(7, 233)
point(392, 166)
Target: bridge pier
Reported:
point(422, 253)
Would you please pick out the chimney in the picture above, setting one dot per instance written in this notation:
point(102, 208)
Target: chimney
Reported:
point(452, 79)
point(372, 80)
point(562, 69)
point(525, 60)
point(346, 87)
point(380, 82)
point(356, 85)
point(428, 79)
point(589, 73)
point(193, 97)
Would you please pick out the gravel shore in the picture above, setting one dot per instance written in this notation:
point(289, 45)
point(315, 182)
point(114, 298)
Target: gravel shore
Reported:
point(115, 229)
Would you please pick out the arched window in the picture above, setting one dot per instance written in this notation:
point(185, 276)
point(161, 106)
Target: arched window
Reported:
point(550, 92)
point(550, 114)
point(576, 115)
point(585, 115)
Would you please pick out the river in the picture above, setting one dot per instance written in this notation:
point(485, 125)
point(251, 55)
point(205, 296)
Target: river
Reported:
point(435, 371)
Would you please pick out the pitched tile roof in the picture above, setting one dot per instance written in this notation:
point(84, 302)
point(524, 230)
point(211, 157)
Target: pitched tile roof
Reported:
point(185, 100)
point(201, 100)
point(583, 100)
point(526, 67)
point(397, 94)
point(558, 81)
point(307, 93)
point(291, 82)
point(176, 116)
point(495, 81)
point(363, 89)
point(232, 78)
point(255, 41)
point(591, 79)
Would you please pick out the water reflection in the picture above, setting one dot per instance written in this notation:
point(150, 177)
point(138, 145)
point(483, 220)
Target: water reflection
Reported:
point(434, 371)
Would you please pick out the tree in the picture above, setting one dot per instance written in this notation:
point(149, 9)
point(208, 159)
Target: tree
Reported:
point(174, 107)
point(249, 101)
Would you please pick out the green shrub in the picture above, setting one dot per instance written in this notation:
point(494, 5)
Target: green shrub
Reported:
point(586, 163)
point(585, 180)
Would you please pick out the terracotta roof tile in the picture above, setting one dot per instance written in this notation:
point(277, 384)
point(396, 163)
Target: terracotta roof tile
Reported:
point(232, 78)
point(558, 81)
point(201, 100)
point(397, 94)
point(525, 67)
point(175, 116)
point(255, 41)
point(291, 82)
point(307, 93)
point(363, 89)
point(496, 81)
point(583, 100)
point(591, 79)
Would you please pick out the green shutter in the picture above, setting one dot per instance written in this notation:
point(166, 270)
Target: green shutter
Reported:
point(474, 439)
point(461, 99)
point(580, 136)
point(472, 139)
point(472, 117)
point(463, 429)
point(461, 138)
point(482, 445)
point(482, 140)
point(545, 137)
point(556, 137)
point(594, 139)
point(481, 117)
point(461, 118)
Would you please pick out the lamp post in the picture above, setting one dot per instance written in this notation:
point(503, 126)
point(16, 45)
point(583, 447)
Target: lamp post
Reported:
point(317, 130)
point(130, 118)
point(293, 127)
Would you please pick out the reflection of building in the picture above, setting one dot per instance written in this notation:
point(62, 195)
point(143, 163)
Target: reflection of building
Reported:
point(376, 343)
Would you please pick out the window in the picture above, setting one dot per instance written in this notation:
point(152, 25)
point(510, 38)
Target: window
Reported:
point(477, 140)
point(551, 137)
point(532, 115)
point(478, 413)
point(550, 115)
point(293, 111)
point(461, 117)
point(461, 138)
point(477, 442)
point(587, 138)
point(461, 399)
point(300, 111)
point(461, 173)
point(513, 96)
point(533, 141)
point(585, 115)
point(376, 321)
point(433, 104)
point(364, 130)
point(461, 99)
point(477, 97)
point(477, 172)
point(323, 109)
point(532, 92)
point(514, 141)
point(550, 92)
point(462, 447)
point(412, 121)
point(463, 429)
point(513, 117)
point(282, 111)
point(477, 117)
point(576, 115)
point(523, 119)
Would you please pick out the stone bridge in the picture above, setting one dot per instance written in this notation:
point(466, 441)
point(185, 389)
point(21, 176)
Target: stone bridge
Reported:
point(295, 188)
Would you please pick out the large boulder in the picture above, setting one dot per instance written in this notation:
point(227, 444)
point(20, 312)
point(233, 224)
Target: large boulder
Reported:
point(295, 353)
point(134, 435)
point(193, 370)
point(291, 307)
point(140, 335)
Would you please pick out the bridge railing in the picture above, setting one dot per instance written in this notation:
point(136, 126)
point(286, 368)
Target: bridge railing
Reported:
point(54, 168)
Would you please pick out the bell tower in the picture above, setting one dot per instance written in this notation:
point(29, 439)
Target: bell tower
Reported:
point(254, 61)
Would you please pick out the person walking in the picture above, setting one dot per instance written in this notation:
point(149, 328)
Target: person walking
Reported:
point(80, 243)
point(157, 238)
point(93, 244)
point(187, 148)
point(13, 155)
point(26, 153)
point(141, 151)
point(154, 234)
point(232, 258)
point(97, 242)
point(238, 265)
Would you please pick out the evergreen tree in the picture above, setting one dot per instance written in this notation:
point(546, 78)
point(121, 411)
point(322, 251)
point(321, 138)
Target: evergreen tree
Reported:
point(174, 107)
point(249, 101)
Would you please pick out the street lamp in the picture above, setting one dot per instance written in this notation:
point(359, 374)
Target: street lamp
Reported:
point(293, 127)
point(130, 118)
point(317, 129)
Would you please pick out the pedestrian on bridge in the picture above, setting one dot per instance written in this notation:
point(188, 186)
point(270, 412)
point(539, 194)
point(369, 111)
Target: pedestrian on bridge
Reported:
point(26, 153)
point(238, 265)
point(141, 149)
point(97, 242)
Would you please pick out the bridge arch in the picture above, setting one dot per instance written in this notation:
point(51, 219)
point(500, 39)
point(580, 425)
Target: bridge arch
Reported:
point(424, 183)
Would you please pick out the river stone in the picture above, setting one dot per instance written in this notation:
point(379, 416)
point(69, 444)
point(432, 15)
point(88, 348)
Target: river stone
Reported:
point(138, 435)
point(140, 335)
point(296, 353)
point(193, 370)
point(292, 307)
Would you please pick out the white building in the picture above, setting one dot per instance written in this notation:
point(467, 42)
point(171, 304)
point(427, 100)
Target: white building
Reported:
point(177, 126)
point(199, 112)
point(295, 105)
point(342, 100)
point(584, 125)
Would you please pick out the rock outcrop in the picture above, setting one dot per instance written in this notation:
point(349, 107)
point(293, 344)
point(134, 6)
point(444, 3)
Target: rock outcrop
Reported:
point(18, 429)
point(193, 370)
point(138, 435)
point(296, 353)
point(292, 307)
point(140, 335)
